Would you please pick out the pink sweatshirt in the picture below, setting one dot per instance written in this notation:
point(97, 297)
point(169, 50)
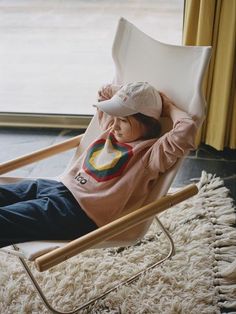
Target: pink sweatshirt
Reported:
point(110, 177)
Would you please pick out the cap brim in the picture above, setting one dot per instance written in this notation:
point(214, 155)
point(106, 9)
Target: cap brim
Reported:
point(114, 107)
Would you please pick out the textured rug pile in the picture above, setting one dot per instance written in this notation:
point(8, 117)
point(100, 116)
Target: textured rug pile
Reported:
point(199, 278)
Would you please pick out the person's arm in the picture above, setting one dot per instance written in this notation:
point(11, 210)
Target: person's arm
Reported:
point(177, 142)
point(169, 109)
point(104, 93)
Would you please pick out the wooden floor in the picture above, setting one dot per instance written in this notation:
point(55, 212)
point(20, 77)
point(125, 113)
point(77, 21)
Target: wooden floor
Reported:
point(54, 54)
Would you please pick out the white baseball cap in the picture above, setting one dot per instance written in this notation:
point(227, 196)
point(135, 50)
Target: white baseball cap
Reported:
point(132, 98)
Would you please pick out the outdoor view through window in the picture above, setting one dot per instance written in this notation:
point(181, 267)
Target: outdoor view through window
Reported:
point(55, 54)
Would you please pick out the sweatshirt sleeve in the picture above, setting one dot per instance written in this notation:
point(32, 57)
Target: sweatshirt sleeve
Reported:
point(104, 93)
point(105, 121)
point(172, 145)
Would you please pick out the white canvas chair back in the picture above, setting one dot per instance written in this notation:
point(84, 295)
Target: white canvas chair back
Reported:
point(175, 70)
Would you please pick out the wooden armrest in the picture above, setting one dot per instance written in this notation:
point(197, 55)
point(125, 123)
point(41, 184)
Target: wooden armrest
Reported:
point(112, 229)
point(40, 154)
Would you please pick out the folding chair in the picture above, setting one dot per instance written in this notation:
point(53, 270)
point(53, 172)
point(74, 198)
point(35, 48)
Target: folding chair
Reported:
point(175, 70)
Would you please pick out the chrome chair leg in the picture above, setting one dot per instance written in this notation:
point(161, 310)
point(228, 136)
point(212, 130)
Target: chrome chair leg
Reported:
point(124, 282)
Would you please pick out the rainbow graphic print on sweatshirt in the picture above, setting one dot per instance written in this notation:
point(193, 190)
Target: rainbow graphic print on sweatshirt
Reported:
point(107, 159)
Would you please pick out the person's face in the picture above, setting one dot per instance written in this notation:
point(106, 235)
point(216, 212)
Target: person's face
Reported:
point(127, 129)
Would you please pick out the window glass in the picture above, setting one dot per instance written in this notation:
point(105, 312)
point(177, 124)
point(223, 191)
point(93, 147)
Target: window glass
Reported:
point(55, 54)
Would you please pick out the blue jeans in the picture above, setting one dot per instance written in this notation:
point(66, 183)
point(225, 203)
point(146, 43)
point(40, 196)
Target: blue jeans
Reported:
point(40, 210)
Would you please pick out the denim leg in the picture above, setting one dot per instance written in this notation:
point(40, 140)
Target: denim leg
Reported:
point(17, 192)
point(22, 221)
point(54, 215)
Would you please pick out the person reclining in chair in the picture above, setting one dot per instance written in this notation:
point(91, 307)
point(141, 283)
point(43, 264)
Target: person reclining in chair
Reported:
point(114, 174)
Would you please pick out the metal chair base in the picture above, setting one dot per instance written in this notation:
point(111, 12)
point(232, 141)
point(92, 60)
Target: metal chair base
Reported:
point(91, 302)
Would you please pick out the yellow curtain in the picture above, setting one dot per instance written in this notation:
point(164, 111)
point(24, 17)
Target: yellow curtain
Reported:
point(213, 23)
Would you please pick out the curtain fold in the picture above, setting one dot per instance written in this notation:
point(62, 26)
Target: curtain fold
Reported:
point(213, 23)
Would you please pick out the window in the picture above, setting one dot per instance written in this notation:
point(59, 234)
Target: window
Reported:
point(55, 54)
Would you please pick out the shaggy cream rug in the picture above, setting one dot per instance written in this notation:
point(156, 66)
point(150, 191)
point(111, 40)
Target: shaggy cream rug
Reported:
point(199, 278)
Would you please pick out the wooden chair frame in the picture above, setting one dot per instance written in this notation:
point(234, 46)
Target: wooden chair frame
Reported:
point(129, 48)
point(102, 295)
point(77, 246)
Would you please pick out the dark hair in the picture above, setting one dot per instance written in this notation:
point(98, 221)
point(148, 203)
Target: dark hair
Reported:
point(152, 125)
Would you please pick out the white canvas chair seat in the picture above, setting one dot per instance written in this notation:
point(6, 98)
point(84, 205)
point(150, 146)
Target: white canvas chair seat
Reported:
point(175, 70)
point(33, 249)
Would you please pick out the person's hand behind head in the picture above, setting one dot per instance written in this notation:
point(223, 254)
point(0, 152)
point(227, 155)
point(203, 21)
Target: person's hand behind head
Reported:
point(105, 92)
